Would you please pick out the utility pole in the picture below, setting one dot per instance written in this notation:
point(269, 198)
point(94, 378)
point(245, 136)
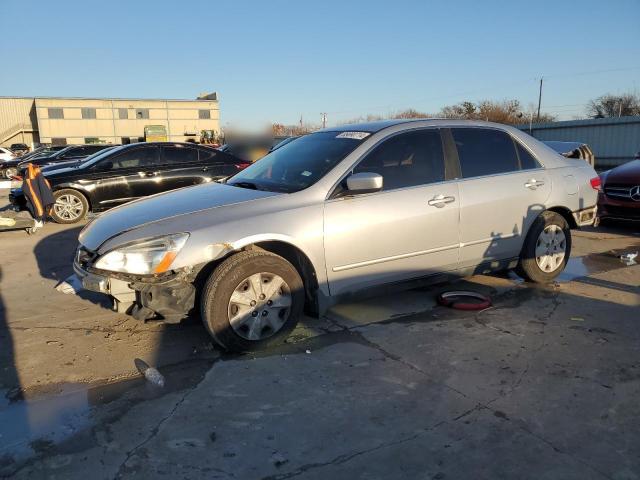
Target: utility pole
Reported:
point(539, 100)
point(323, 116)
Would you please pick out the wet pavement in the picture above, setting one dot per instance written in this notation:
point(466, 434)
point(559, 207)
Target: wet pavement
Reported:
point(544, 384)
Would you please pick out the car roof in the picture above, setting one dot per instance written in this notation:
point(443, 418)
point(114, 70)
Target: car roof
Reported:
point(373, 127)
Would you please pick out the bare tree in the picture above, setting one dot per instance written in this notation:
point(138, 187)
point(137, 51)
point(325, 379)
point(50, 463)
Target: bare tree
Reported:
point(506, 111)
point(610, 105)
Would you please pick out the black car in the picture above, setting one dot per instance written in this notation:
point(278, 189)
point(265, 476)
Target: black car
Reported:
point(70, 153)
point(9, 168)
point(127, 172)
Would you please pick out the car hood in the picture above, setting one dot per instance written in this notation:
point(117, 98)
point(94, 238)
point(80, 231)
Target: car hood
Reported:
point(164, 206)
point(627, 174)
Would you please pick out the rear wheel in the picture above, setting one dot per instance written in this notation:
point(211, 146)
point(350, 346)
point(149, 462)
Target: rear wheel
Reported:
point(252, 300)
point(546, 249)
point(71, 206)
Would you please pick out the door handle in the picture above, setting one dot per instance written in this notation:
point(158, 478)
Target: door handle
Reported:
point(205, 169)
point(533, 184)
point(150, 174)
point(440, 201)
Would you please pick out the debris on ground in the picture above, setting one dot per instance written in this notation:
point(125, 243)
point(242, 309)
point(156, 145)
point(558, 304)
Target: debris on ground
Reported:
point(70, 285)
point(629, 258)
point(577, 319)
point(464, 300)
point(152, 375)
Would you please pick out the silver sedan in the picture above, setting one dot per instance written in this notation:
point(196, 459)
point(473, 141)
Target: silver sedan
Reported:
point(340, 211)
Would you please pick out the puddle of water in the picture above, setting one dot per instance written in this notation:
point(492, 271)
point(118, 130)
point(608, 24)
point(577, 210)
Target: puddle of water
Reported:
point(578, 267)
point(29, 426)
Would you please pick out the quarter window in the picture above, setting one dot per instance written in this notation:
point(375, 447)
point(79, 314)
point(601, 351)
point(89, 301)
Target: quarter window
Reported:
point(179, 154)
point(407, 160)
point(484, 151)
point(527, 162)
point(55, 112)
point(88, 112)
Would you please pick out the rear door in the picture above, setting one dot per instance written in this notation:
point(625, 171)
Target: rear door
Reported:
point(502, 190)
point(180, 166)
point(219, 164)
point(407, 230)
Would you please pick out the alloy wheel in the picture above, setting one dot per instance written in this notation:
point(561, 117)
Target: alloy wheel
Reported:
point(68, 207)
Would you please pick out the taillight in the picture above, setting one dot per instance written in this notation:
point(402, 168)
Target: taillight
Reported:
point(596, 183)
point(241, 166)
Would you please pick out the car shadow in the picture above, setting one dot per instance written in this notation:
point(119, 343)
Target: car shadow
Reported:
point(54, 254)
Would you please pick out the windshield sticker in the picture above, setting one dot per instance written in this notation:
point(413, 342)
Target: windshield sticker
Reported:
point(354, 135)
point(306, 173)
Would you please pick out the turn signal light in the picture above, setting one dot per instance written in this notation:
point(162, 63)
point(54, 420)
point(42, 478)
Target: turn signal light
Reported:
point(596, 183)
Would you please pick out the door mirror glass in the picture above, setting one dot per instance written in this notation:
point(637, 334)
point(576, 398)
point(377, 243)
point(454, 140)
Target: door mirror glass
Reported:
point(364, 182)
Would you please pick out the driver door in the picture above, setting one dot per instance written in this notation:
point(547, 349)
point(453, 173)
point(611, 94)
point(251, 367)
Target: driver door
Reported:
point(409, 229)
point(131, 174)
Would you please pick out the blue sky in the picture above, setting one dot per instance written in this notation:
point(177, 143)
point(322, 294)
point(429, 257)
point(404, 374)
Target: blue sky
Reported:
point(278, 60)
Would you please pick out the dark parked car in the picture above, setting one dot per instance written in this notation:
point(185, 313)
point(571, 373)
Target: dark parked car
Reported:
point(620, 195)
point(19, 148)
point(70, 153)
point(127, 172)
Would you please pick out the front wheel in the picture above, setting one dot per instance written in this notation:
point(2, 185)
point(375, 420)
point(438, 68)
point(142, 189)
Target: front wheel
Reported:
point(546, 249)
point(70, 207)
point(251, 300)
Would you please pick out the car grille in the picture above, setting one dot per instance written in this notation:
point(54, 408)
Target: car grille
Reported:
point(622, 193)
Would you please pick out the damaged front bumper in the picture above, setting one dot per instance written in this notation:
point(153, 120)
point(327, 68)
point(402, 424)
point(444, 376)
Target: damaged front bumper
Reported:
point(170, 297)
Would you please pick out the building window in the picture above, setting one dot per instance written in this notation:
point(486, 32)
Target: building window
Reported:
point(125, 140)
point(204, 114)
point(92, 140)
point(58, 141)
point(56, 113)
point(88, 112)
point(123, 113)
point(142, 113)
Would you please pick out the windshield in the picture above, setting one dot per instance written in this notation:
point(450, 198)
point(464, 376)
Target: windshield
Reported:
point(297, 165)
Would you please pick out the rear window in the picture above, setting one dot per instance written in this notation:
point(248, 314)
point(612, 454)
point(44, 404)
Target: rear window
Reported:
point(484, 151)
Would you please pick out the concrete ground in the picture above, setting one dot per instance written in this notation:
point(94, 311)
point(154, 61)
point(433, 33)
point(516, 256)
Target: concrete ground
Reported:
point(545, 384)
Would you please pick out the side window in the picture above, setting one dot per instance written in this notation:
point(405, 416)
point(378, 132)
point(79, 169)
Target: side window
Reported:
point(73, 153)
point(177, 154)
point(406, 160)
point(527, 162)
point(208, 154)
point(484, 151)
point(145, 157)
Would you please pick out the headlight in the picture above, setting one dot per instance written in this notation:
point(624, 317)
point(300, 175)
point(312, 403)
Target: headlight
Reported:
point(149, 256)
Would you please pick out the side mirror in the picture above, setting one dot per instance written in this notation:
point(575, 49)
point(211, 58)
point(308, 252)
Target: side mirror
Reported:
point(364, 182)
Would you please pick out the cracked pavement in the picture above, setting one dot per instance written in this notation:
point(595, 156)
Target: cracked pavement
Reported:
point(545, 384)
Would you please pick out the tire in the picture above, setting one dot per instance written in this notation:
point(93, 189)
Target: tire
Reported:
point(10, 172)
point(236, 326)
point(535, 269)
point(78, 206)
